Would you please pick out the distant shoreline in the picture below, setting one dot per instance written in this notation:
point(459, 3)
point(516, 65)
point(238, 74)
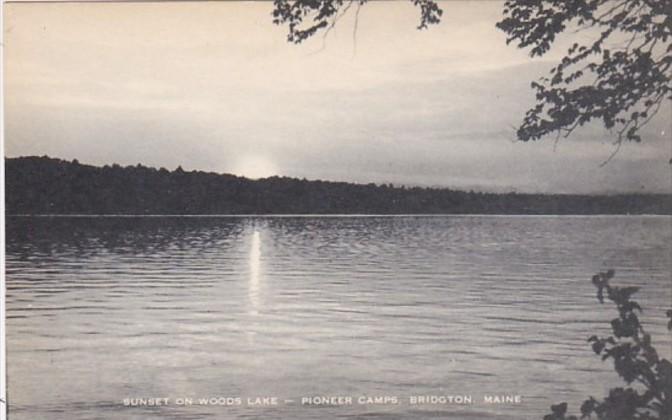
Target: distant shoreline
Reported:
point(353, 216)
point(49, 187)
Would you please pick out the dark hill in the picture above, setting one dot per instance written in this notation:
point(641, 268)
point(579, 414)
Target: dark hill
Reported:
point(42, 185)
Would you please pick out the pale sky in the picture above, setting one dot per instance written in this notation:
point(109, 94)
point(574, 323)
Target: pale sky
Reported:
point(216, 87)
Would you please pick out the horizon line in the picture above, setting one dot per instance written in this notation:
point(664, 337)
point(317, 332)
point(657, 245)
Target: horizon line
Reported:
point(344, 215)
point(465, 189)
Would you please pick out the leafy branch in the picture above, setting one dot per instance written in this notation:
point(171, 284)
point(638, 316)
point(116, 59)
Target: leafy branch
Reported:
point(648, 376)
point(621, 78)
point(304, 18)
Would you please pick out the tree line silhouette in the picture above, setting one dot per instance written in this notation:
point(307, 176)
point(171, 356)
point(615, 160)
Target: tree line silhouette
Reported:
point(43, 185)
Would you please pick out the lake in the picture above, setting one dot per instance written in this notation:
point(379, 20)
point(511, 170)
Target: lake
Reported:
point(188, 317)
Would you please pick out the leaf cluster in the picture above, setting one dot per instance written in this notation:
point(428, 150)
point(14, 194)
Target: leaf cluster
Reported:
point(620, 77)
point(304, 18)
point(648, 395)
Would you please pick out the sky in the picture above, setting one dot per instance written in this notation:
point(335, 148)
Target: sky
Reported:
point(215, 86)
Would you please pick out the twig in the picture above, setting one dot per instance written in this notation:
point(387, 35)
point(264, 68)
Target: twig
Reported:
point(354, 29)
point(333, 23)
point(618, 143)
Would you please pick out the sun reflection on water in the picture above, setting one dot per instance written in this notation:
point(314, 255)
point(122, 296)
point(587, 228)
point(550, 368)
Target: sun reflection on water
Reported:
point(255, 270)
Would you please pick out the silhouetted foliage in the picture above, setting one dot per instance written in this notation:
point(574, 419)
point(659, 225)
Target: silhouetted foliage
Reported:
point(304, 18)
point(37, 185)
point(621, 77)
point(648, 376)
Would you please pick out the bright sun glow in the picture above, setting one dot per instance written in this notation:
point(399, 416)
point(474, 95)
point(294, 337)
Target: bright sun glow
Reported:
point(254, 167)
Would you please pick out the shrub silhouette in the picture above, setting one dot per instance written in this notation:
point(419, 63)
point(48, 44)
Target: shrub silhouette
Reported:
point(648, 395)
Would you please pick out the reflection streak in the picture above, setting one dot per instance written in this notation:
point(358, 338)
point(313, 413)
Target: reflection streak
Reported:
point(255, 268)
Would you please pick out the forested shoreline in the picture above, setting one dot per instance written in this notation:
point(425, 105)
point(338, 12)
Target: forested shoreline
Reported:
point(43, 185)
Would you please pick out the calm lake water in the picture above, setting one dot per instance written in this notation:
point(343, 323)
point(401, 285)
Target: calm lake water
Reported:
point(104, 309)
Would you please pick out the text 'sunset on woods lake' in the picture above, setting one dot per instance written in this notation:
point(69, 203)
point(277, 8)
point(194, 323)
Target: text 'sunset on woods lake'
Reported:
point(326, 400)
